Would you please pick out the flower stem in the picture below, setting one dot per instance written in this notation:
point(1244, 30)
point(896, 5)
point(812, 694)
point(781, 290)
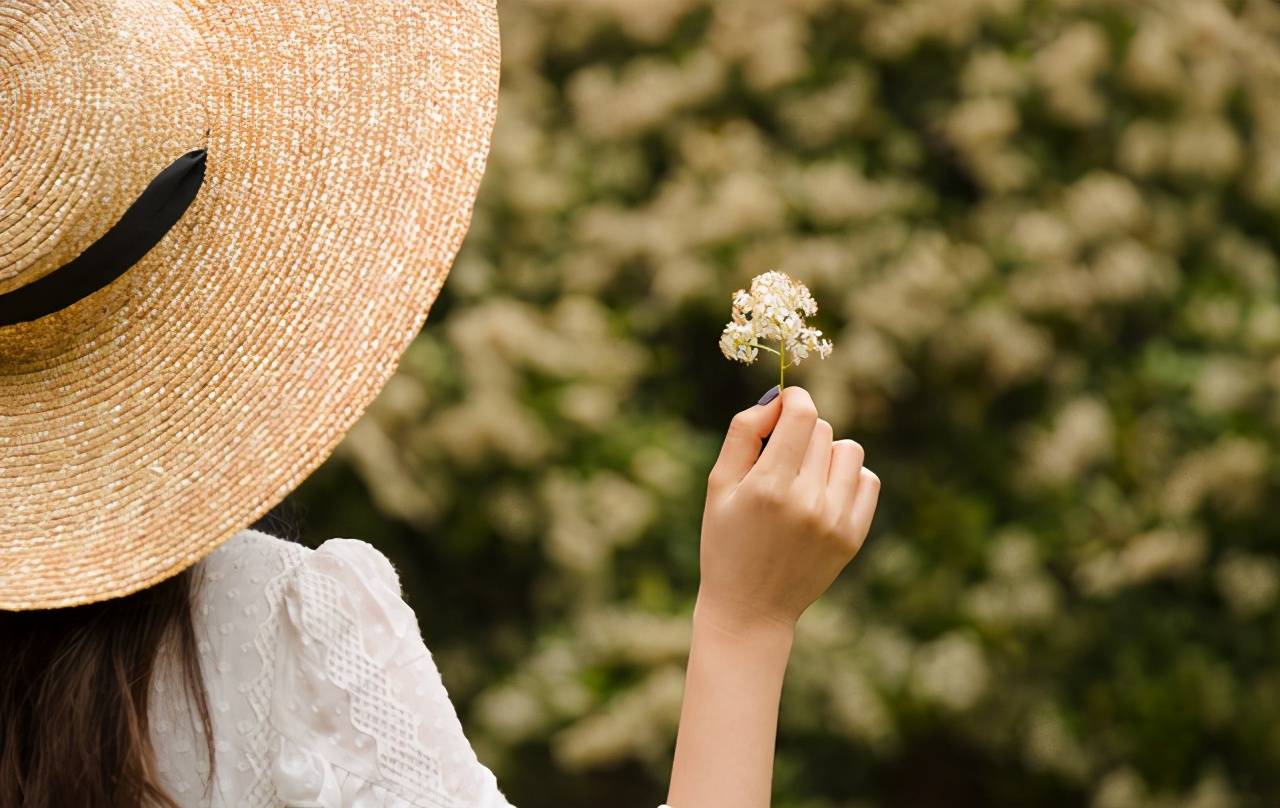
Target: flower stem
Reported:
point(764, 348)
point(782, 366)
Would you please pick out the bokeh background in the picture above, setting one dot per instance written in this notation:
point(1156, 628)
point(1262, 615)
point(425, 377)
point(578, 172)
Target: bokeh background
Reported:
point(1044, 238)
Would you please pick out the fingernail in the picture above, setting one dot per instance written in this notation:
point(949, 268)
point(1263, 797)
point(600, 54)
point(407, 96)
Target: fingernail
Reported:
point(769, 396)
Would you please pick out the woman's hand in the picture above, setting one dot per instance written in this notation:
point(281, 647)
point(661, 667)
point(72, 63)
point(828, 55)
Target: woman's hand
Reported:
point(781, 524)
point(777, 529)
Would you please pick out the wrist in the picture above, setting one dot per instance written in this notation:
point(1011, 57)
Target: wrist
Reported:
point(742, 623)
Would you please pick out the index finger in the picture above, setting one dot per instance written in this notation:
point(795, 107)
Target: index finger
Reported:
point(790, 439)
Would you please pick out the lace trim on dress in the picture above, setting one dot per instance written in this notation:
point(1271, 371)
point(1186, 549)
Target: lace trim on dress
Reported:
point(374, 710)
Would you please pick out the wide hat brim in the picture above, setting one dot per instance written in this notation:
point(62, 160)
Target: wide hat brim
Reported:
point(345, 145)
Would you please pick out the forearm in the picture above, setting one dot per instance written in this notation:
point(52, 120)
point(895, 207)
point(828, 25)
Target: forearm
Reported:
point(729, 716)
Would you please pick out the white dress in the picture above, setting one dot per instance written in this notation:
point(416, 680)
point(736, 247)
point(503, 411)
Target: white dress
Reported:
point(321, 690)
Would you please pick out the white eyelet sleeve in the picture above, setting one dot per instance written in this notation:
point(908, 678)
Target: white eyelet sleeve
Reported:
point(363, 716)
point(321, 691)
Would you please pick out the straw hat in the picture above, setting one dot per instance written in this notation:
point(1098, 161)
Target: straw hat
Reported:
point(305, 172)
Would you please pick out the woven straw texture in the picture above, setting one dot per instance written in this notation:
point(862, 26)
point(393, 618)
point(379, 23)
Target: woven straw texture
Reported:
point(144, 425)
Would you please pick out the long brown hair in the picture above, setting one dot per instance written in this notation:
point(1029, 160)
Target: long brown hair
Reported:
point(74, 687)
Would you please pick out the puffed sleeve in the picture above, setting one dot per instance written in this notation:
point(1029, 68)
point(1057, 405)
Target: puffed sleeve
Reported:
point(363, 716)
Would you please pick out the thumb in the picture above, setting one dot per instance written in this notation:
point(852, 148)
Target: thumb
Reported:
point(741, 446)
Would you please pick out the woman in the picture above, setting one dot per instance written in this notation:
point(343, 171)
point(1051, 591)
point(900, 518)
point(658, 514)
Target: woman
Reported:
point(220, 226)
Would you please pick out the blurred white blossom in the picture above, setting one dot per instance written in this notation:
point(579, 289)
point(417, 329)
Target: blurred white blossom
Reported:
point(951, 670)
point(1044, 234)
point(1249, 583)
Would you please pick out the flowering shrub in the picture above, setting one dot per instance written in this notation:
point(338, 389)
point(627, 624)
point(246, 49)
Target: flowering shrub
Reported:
point(1045, 236)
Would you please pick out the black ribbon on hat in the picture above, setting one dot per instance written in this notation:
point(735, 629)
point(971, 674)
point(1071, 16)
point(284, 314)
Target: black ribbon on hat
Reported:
point(141, 227)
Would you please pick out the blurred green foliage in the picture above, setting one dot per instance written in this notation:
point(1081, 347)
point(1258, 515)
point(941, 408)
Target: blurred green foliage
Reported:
point(1044, 238)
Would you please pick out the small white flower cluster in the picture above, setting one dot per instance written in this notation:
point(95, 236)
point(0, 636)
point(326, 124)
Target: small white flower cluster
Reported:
point(775, 308)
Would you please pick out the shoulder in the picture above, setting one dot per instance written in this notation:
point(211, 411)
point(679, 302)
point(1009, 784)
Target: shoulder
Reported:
point(347, 705)
point(343, 599)
point(255, 579)
point(290, 638)
point(311, 599)
point(253, 550)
